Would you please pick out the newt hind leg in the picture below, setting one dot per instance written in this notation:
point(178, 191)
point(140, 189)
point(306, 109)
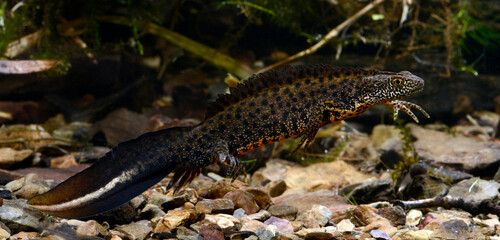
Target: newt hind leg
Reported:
point(221, 153)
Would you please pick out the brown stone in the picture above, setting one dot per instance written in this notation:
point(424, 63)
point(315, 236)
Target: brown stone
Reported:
point(243, 199)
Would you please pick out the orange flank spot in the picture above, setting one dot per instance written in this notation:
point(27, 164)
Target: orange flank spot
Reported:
point(261, 143)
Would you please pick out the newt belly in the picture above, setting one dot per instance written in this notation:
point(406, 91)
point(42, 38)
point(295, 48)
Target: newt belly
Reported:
point(266, 108)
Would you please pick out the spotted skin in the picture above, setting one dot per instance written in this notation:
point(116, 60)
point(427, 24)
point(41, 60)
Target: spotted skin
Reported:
point(267, 108)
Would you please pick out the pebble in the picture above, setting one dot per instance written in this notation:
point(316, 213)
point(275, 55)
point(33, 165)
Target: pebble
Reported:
point(267, 233)
point(18, 216)
point(277, 187)
point(28, 186)
point(4, 234)
point(378, 234)
point(262, 215)
point(413, 218)
point(283, 211)
point(222, 220)
point(251, 225)
point(317, 216)
point(243, 199)
point(151, 211)
point(172, 220)
point(211, 231)
point(187, 234)
point(416, 235)
point(65, 161)
point(239, 213)
point(220, 205)
point(282, 225)
point(345, 226)
point(9, 156)
point(136, 230)
point(91, 228)
point(261, 198)
point(453, 229)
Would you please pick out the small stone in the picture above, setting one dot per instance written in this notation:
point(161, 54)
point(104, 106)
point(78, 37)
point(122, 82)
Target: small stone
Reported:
point(4, 234)
point(277, 187)
point(413, 218)
point(283, 211)
point(222, 220)
point(319, 236)
point(211, 231)
point(243, 199)
point(65, 161)
point(187, 195)
point(396, 215)
point(25, 235)
point(138, 202)
point(172, 220)
point(251, 225)
point(28, 186)
point(453, 229)
point(220, 205)
point(136, 230)
point(317, 216)
point(297, 225)
point(221, 188)
point(239, 213)
point(268, 233)
point(262, 215)
point(151, 211)
point(91, 228)
point(417, 235)
point(345, 226)
point(18, 216)
point(380, 235)
point(261, 198)
point(282, 225)
point(9, 156)
point(187, 234)
point(157, 198)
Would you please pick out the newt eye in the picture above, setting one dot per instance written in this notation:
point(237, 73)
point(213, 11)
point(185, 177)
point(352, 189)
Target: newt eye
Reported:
point(397, 81)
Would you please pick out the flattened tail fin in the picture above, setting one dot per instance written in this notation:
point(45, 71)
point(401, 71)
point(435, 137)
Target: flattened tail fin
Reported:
point(126, 171)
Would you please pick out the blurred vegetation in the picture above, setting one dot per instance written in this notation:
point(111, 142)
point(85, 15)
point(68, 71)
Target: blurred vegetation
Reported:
point(465, 31)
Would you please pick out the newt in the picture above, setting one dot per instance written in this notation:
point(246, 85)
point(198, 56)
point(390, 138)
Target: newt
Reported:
point(267, 108)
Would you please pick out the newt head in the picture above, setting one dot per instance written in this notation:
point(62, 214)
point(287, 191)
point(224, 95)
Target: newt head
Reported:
point(387, 86)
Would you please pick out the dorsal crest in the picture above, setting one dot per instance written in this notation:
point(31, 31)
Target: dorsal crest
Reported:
point(272, 79)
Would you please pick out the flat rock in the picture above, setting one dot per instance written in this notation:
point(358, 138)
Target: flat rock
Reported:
point(9, 156)
point(135, 231)
point(476, 189)
point(283, 211)
point(453, 229)
point(304, 201)
point(220, 205)
point(121, 125)
point(449, 150)
point(328, 175)
point(18, 216)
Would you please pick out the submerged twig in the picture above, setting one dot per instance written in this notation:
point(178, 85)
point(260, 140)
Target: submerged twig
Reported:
point(209, 54)
point(469, 205)
point(333, 33)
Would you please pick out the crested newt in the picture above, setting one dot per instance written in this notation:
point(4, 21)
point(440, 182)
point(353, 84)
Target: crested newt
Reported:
point(267, 108)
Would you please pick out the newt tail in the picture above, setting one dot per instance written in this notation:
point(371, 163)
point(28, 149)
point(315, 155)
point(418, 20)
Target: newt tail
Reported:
point(267, 108)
